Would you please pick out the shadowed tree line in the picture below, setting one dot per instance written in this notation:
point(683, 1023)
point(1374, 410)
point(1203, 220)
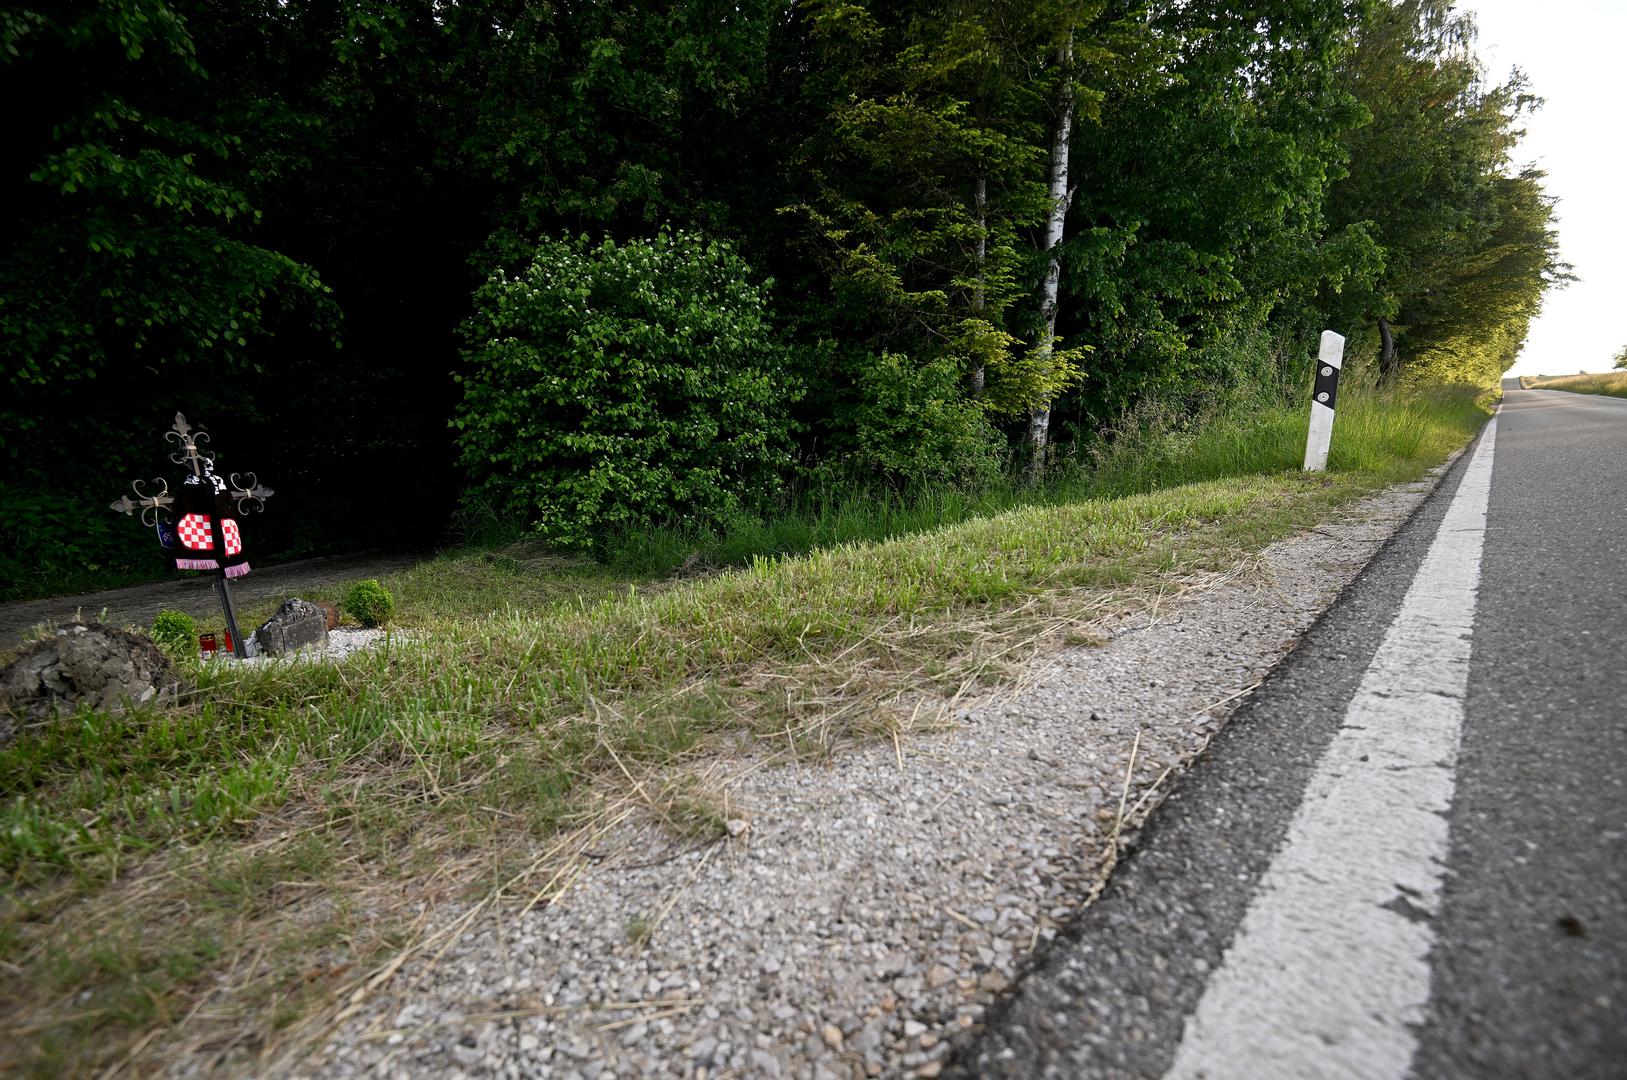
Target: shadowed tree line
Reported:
point(594, 264)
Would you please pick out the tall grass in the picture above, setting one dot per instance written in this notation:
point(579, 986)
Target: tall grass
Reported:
point(1381, 433)
point(1607, 384)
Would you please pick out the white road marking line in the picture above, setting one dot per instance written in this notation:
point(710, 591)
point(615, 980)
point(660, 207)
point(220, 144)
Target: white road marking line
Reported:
point(1329, 973)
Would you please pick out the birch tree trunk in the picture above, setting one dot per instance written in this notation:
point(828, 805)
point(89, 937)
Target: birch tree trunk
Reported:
point(1039, 417)
point(980, 294)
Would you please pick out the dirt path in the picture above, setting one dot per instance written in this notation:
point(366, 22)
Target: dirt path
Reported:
point(195, 593)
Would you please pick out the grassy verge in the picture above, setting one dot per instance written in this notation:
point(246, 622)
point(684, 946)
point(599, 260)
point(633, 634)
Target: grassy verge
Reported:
point(1609, 384)
point(194, 880)
point(1383, 435)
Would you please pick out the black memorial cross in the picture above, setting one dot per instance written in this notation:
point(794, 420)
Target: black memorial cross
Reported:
point(202, 531)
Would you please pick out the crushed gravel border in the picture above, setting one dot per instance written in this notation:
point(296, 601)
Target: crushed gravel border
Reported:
point(863, 913)
point(342, 642)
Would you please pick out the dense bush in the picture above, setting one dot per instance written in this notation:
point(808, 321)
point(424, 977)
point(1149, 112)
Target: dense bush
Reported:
point(370, 603)
point(613, 385)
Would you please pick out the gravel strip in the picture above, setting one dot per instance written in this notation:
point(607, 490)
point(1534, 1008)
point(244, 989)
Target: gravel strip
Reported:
point(342, 641)
point(865, 911)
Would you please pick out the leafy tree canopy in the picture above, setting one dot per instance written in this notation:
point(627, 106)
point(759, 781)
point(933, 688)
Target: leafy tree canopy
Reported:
point(277, 216)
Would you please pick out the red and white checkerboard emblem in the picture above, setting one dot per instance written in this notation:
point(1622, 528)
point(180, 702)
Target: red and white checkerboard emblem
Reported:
point(230, 536)
point(196, 533)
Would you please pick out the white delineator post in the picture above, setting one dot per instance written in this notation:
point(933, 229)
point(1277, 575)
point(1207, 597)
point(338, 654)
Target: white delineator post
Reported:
point(1329, 362)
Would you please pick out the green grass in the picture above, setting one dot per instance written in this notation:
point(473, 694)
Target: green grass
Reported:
point(1381, 434)
point(526, 693)
point(516, 575)
point(1609, 384)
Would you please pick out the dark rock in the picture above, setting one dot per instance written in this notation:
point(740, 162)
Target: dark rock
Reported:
point(296, 625)
point(83, 664)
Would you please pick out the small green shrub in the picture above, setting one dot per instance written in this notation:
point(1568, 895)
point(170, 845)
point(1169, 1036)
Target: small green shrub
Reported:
point(370, 603)
point(613, 386)
point(176, 633)
point(913, 425)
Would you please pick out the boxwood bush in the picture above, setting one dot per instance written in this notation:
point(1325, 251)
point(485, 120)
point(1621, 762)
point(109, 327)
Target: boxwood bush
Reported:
point(609, 386)
point(370, 603)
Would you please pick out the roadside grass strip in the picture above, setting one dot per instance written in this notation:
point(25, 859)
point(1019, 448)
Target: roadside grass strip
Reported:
point(225, 877)
point(1384, 434)
point(1607, 384)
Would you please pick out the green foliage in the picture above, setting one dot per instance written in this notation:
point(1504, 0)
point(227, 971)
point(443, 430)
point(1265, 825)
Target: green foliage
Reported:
point(1492, 295)
point(191, 179)
point(176, 633)
point(914, 427)
point(132, 229)
point(1198, 219)
point(51, 544)
point(613, 385)
point(604, 114)
point(899, 171)
point(1468, 248)
point(370, 603)
point(139, 276)
point(923, 174)
point(1621, 359)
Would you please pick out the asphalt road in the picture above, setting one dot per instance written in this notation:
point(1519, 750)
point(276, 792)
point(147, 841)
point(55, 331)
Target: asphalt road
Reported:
point(1238, 940)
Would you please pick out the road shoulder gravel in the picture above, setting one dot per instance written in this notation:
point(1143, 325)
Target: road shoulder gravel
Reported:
point(1110, 998)
point(865, 913)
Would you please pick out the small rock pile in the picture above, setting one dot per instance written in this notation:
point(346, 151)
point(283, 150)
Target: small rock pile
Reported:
point(83, 664)
point(338, 644)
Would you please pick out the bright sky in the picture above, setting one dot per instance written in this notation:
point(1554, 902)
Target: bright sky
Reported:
point(1571, 51)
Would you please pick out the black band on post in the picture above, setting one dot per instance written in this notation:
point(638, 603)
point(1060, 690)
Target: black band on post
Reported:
point(1326, 391)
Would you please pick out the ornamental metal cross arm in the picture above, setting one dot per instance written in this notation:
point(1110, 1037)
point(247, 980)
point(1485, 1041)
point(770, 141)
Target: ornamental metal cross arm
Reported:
point(181, 433)
point(249, 494)
point(149, 505)
point(249, 491)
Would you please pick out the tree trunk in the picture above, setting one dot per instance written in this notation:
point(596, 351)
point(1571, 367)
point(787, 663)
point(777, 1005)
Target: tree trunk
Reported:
point(1386, 352)
point(980, 295)
point(1039, 417)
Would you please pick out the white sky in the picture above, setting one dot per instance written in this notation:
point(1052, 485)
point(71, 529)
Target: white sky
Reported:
point(1571, 51)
